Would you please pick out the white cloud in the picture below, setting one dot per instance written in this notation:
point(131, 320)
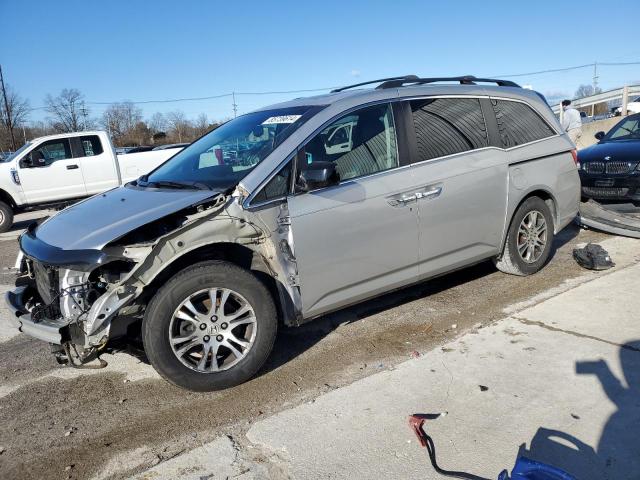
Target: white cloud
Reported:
point(355, 72)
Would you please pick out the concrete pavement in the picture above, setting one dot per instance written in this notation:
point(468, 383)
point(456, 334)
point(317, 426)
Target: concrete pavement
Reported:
point(557, 380)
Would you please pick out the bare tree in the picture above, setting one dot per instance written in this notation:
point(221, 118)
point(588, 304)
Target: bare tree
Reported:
point(178, 124)
point(14, 113)
point(68, 109)
point(201, 125)
point(120, 119)
point(139, 134)
point(586, 91)
point(158, 123)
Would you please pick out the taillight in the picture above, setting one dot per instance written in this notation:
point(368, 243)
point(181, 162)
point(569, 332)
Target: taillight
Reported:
point(574, 154)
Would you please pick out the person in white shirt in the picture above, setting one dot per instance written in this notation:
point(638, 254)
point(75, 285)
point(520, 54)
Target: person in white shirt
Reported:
point(571, 121)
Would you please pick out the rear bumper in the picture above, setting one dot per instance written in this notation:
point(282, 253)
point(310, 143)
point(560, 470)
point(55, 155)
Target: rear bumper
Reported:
point(20, 318)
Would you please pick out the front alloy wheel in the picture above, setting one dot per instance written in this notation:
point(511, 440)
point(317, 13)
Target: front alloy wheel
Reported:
point(211, 326)
point(212, 330)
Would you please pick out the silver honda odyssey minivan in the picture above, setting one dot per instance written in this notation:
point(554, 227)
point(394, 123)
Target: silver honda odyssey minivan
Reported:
point(295, 210)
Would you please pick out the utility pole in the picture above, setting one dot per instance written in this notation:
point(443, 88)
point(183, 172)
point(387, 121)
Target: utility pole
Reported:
point(595, 86)
point(83, 110)
point(7, 111)
point(235, 105)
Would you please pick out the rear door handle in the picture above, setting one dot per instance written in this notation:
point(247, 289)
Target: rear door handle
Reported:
point(72, 167)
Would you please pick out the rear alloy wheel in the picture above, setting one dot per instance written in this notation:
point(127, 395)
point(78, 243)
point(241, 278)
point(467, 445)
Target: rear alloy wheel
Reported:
point(211, 326)
point(529, 239)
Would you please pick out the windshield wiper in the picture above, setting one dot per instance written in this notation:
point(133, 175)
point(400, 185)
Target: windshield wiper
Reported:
point(178, 185)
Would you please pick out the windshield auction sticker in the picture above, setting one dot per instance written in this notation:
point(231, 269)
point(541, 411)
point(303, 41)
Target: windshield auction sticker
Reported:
point(281, 119)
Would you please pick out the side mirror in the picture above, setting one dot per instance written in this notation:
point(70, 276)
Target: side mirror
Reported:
point(26, 161)
point(599, 135)
point(318, 175)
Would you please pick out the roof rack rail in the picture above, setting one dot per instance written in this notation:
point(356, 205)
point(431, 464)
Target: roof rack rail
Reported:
point(406, 78)
point(464, 80)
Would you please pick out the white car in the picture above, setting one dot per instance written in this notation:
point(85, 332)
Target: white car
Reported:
point(60, 169)
point(632, 107)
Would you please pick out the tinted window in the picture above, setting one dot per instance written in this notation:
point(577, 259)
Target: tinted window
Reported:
point(50, 151)
point(278, 186)
point(361, 143)
point(519, 123)
point(445, 126)
point(91, 145)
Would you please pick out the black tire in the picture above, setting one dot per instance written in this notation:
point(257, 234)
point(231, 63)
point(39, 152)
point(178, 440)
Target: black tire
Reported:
point(511, 261)
point(6, 217)
point(158, 315)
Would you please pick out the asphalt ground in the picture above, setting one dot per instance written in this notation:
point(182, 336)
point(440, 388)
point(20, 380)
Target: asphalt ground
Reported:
point(114, 422)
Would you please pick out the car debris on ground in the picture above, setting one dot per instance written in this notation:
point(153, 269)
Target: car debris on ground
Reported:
point(616, 218)
point(593, 257)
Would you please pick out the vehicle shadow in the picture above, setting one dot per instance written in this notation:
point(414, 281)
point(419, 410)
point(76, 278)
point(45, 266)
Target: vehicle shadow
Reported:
point(292, 342)
point(22, 221)
point(563, 237)
point(617, 455)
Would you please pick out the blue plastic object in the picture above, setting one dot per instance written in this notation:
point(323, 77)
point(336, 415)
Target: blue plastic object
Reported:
point(527, 469)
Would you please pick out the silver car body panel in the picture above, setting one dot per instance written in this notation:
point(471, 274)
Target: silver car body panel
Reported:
point(96, 221)
point(351, 242)
point(462, 220)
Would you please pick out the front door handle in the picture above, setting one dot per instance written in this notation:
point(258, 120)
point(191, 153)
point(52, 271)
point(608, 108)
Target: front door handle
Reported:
point(431, 193)
point(402, 200)
point(72, 167)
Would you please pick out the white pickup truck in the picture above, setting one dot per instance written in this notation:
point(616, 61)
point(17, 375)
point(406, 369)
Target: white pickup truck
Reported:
point(59, 169)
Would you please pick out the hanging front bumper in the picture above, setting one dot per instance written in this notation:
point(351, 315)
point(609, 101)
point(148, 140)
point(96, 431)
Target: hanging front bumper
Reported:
point(20, 318)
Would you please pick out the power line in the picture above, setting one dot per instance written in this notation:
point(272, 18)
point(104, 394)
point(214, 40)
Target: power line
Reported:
point(169, 100)
point(199, 99)
point(566, 69)
point(551, 70)
point(308, 90)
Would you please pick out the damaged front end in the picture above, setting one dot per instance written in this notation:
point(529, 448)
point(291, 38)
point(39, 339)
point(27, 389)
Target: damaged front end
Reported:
point(69, 297)
point(77, 300)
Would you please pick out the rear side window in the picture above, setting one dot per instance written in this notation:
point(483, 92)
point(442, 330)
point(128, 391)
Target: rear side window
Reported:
point(91, 145)
point(445, 126)
point(518, 123)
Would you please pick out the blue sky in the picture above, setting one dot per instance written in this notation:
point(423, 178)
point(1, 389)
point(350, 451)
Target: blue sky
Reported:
point(117, 50)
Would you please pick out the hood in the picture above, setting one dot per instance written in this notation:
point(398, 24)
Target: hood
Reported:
point(619, 151)
point(92, 223)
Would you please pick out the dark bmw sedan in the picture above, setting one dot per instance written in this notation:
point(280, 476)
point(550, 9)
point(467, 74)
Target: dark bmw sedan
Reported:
point(610, 169)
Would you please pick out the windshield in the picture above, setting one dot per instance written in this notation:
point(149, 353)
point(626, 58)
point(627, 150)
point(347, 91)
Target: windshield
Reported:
point(627, 129)
point(220, 159)
point(17, 152)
